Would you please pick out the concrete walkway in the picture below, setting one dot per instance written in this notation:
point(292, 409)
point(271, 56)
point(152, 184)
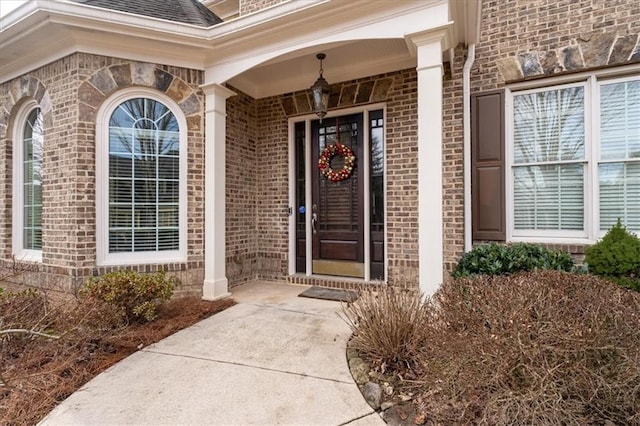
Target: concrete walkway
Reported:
point(272, 359)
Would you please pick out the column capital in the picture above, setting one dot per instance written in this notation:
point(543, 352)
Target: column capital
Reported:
point(428, 45)
point(420, 38)
point(217, 89)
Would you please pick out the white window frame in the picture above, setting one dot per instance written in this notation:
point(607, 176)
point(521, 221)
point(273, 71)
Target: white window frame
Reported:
point(20, 121)
point(591, 83)
point(103, 256)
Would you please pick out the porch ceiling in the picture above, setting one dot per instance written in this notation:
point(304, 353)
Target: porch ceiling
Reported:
point(345, 61)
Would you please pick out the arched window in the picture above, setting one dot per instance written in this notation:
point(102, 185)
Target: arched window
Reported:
point(141, 165)
point(27, 188)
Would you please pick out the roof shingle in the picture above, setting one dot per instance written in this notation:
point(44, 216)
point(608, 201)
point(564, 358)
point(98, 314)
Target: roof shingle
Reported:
point(185, 11)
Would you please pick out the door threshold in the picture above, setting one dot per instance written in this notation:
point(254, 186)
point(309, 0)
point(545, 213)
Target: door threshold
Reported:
point(346, 283)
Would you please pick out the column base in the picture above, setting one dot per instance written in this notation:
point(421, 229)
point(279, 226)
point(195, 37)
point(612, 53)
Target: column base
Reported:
point(215, 289)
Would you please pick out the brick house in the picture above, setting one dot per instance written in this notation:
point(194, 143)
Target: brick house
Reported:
point(182, 136)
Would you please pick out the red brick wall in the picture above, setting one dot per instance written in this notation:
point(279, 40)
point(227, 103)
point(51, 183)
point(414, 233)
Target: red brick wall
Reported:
point(249, 6)
point(546, 29)
point(512, 27)
point(76, 86)
point(241, 188)
point(272, 201)
point(402, 176)
point(453, 162)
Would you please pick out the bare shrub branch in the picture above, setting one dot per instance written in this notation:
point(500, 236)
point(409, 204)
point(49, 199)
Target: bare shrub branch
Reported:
point(30, 332)
point(532, 348)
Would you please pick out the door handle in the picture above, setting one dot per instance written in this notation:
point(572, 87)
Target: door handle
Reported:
point(314, 221)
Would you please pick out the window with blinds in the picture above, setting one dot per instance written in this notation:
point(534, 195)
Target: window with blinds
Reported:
point(144, 178)
point(32, 144)
point(575, 159)
point(549, 160)
point(619, 165)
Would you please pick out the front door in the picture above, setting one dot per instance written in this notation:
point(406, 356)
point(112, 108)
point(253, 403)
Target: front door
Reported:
point(337, 209)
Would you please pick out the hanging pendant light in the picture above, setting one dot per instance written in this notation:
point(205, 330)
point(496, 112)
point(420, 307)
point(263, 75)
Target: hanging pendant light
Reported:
point(320, 91)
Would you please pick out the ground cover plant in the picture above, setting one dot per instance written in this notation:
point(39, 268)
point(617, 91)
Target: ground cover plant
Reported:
point(498, 259)
point(542, 347)
point(48, 350)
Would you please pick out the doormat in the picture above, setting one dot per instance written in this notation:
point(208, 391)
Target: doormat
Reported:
point(325, 293)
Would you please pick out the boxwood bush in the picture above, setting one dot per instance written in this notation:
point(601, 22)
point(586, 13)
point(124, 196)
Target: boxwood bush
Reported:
point(499, 259)
point(135, 296)
point(616, 257)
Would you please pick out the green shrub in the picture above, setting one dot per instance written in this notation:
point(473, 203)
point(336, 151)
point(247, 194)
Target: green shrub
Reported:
point(616, 257)
point(498, 259)
point(135, 296)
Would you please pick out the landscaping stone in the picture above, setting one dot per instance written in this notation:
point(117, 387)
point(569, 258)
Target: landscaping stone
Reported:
point(354, 362)
point(352, 353)
point(386, 405)
point(399, 415)
point(372, 393)
point(378, 376)
point(360, 374)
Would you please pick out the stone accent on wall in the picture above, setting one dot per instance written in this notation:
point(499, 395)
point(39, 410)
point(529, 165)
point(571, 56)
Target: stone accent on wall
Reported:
point(343, 95)
point(21, 89)
point(586, 51)
point(100, 85)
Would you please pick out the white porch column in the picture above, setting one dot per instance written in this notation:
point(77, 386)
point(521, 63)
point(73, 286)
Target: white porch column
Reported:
point(215, 284)
point(429, 46)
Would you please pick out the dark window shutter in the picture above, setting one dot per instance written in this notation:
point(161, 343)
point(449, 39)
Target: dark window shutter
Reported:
point(487, 166)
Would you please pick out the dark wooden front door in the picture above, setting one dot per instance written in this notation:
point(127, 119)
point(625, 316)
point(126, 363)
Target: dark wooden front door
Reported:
point(337, 207)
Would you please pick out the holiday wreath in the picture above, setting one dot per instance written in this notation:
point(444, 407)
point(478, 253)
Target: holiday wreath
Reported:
point(324, 162)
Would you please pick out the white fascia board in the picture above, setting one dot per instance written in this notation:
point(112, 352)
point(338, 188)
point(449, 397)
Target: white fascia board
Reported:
point(149, 39)
point(337, 22)
point(141, 50)
point(26, 42)
point(77, 15)
point(224, 50)
point(324, 19)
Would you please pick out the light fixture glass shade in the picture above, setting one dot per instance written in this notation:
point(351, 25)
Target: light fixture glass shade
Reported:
point(320, 91)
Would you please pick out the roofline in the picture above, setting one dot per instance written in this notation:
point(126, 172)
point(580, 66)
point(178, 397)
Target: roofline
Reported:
point(193, 46)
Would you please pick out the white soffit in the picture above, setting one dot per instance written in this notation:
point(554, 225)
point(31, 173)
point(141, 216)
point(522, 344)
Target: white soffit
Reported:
point(345, 61)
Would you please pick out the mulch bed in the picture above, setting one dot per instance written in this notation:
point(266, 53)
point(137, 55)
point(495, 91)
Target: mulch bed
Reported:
point(36, 373)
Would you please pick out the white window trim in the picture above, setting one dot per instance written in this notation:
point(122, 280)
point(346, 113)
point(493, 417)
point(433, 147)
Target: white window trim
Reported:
point(103, 257)
point(20, 121)
point(591, 82)
point(596, 87)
